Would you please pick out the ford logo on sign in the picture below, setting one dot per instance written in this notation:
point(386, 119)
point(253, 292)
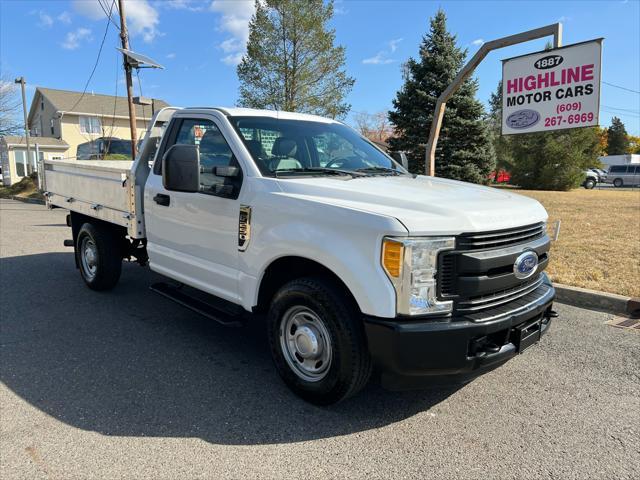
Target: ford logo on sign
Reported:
point(523, 119)
point(525, 265)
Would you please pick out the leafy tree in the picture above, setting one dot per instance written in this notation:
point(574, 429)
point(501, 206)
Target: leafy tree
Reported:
point(10, 104)
point(617, 138)
point(291, 61)
point(634, 144)
point(374, 126)
point(464, 149)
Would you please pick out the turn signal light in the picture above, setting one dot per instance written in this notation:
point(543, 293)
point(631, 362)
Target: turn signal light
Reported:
point(392, 257)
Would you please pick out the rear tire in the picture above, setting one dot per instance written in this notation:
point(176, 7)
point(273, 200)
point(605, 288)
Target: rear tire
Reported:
point(98, 253)
point(618, 182)
point(317, 341)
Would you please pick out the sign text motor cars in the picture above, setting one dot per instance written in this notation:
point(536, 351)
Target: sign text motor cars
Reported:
point(551, 90)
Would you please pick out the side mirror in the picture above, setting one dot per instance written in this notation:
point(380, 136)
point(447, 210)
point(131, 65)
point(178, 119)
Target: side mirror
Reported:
point(401, 158)
point(181, 168)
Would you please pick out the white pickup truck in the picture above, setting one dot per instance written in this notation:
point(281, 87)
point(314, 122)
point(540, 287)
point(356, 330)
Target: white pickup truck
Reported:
point(357, 264)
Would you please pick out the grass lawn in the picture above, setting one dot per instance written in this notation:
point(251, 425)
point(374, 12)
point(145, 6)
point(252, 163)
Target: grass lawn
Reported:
point(599, 244)
point(27, 187)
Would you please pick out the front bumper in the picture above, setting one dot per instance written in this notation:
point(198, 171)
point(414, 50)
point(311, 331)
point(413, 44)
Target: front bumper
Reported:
point(448, 350)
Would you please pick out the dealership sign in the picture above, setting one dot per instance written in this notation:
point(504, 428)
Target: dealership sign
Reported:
point(551, 90)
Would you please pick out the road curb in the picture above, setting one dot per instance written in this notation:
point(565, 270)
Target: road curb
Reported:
point(35, 201)
point(592, 299)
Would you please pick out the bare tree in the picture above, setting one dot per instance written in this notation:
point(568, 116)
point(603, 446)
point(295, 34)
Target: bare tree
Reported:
point(374, 126)
point(10, 103)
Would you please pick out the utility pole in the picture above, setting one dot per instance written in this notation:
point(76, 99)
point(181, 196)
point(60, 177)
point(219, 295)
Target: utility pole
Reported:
point(22, 82)
point(124, 36)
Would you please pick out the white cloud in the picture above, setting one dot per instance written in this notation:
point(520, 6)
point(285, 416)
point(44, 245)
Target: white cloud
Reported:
point(142, 18)
point(89, 9)
point(44, 20)
point(64, 17)
point(191, 5)
point(74, 38)
point(379, 59)
point(339, 8)
point(236, 15)
point(171, 56)
point(393, 44)
point(477, 42)
point(383, 56)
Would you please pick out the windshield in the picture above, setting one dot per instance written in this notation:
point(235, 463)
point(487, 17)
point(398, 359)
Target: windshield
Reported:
point(302, 147)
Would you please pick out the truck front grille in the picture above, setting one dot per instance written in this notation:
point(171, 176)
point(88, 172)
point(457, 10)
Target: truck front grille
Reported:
point(501, 238)
point(501, 297)
point(478, 275)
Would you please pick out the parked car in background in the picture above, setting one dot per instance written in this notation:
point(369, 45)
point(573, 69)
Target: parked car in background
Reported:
point(104, 147)
point(623, 175)
point(591, 179)
point(501, 176)
point(602, 174)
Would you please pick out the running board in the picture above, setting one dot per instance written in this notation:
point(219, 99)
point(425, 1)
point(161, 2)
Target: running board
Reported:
point(217, 309)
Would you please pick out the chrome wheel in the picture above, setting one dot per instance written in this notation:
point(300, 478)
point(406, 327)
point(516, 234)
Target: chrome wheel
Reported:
point(89, 257)
point(305, 343)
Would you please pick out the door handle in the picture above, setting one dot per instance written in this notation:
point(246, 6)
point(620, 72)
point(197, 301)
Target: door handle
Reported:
point(162, 199)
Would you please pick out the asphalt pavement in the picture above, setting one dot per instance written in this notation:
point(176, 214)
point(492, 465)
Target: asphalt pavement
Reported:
point(126, 384)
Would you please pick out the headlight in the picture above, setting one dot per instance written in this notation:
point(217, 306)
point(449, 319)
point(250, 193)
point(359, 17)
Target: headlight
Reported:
point(411, 263)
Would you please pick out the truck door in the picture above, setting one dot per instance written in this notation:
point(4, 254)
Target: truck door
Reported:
point(193, 237)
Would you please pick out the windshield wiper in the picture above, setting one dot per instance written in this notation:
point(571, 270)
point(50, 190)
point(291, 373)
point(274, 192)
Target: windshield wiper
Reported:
point(316, 170)
point(379, 170)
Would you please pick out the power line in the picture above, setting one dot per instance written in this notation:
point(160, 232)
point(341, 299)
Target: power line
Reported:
point(108, 14)
point(622, 109)
point(95, 65)
point(621, 88)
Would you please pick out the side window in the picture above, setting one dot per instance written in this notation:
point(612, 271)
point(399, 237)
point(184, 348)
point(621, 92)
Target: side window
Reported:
point(214, 152)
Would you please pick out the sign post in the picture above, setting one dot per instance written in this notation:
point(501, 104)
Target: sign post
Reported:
point(553, 89)
point(441, 104)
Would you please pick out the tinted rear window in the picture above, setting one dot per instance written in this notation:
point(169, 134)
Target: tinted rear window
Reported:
point(618, 169)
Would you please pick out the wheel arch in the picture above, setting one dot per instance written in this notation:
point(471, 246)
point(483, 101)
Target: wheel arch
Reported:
point(284, 269)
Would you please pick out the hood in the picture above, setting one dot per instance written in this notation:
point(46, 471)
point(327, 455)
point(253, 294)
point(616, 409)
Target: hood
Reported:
point(425, 205)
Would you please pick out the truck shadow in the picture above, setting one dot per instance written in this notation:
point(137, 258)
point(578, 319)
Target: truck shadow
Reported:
point(130, 363)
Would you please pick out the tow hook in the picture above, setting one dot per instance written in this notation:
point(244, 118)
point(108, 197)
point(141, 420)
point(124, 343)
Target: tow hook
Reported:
point(552, 314)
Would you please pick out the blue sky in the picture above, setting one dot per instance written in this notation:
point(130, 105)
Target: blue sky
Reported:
point(54, 44)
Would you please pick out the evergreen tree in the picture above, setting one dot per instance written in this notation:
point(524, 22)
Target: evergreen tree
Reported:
point(464, 149)
point(553, 160)
point(617, 138)
point(291, 61)
point(501, 145)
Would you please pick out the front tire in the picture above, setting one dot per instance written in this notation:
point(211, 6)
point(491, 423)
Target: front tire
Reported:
point(99, 256)
point(317, 341)
point(589, 184)
point(618, 182)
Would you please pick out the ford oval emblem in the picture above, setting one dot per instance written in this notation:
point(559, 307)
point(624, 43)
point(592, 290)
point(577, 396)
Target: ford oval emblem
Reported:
point(523, 119)
point(525, 265)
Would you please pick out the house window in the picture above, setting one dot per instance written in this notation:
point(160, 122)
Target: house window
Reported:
point(90, 125)
point(20, 157)
point(51, 125)
point(42, 104)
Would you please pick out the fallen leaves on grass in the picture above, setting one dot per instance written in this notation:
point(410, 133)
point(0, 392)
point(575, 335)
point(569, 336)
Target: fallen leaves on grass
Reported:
point(599, 244)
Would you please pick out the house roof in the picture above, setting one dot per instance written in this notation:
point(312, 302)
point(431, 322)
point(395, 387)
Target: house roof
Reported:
point(92, 103)
point(15, 141)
